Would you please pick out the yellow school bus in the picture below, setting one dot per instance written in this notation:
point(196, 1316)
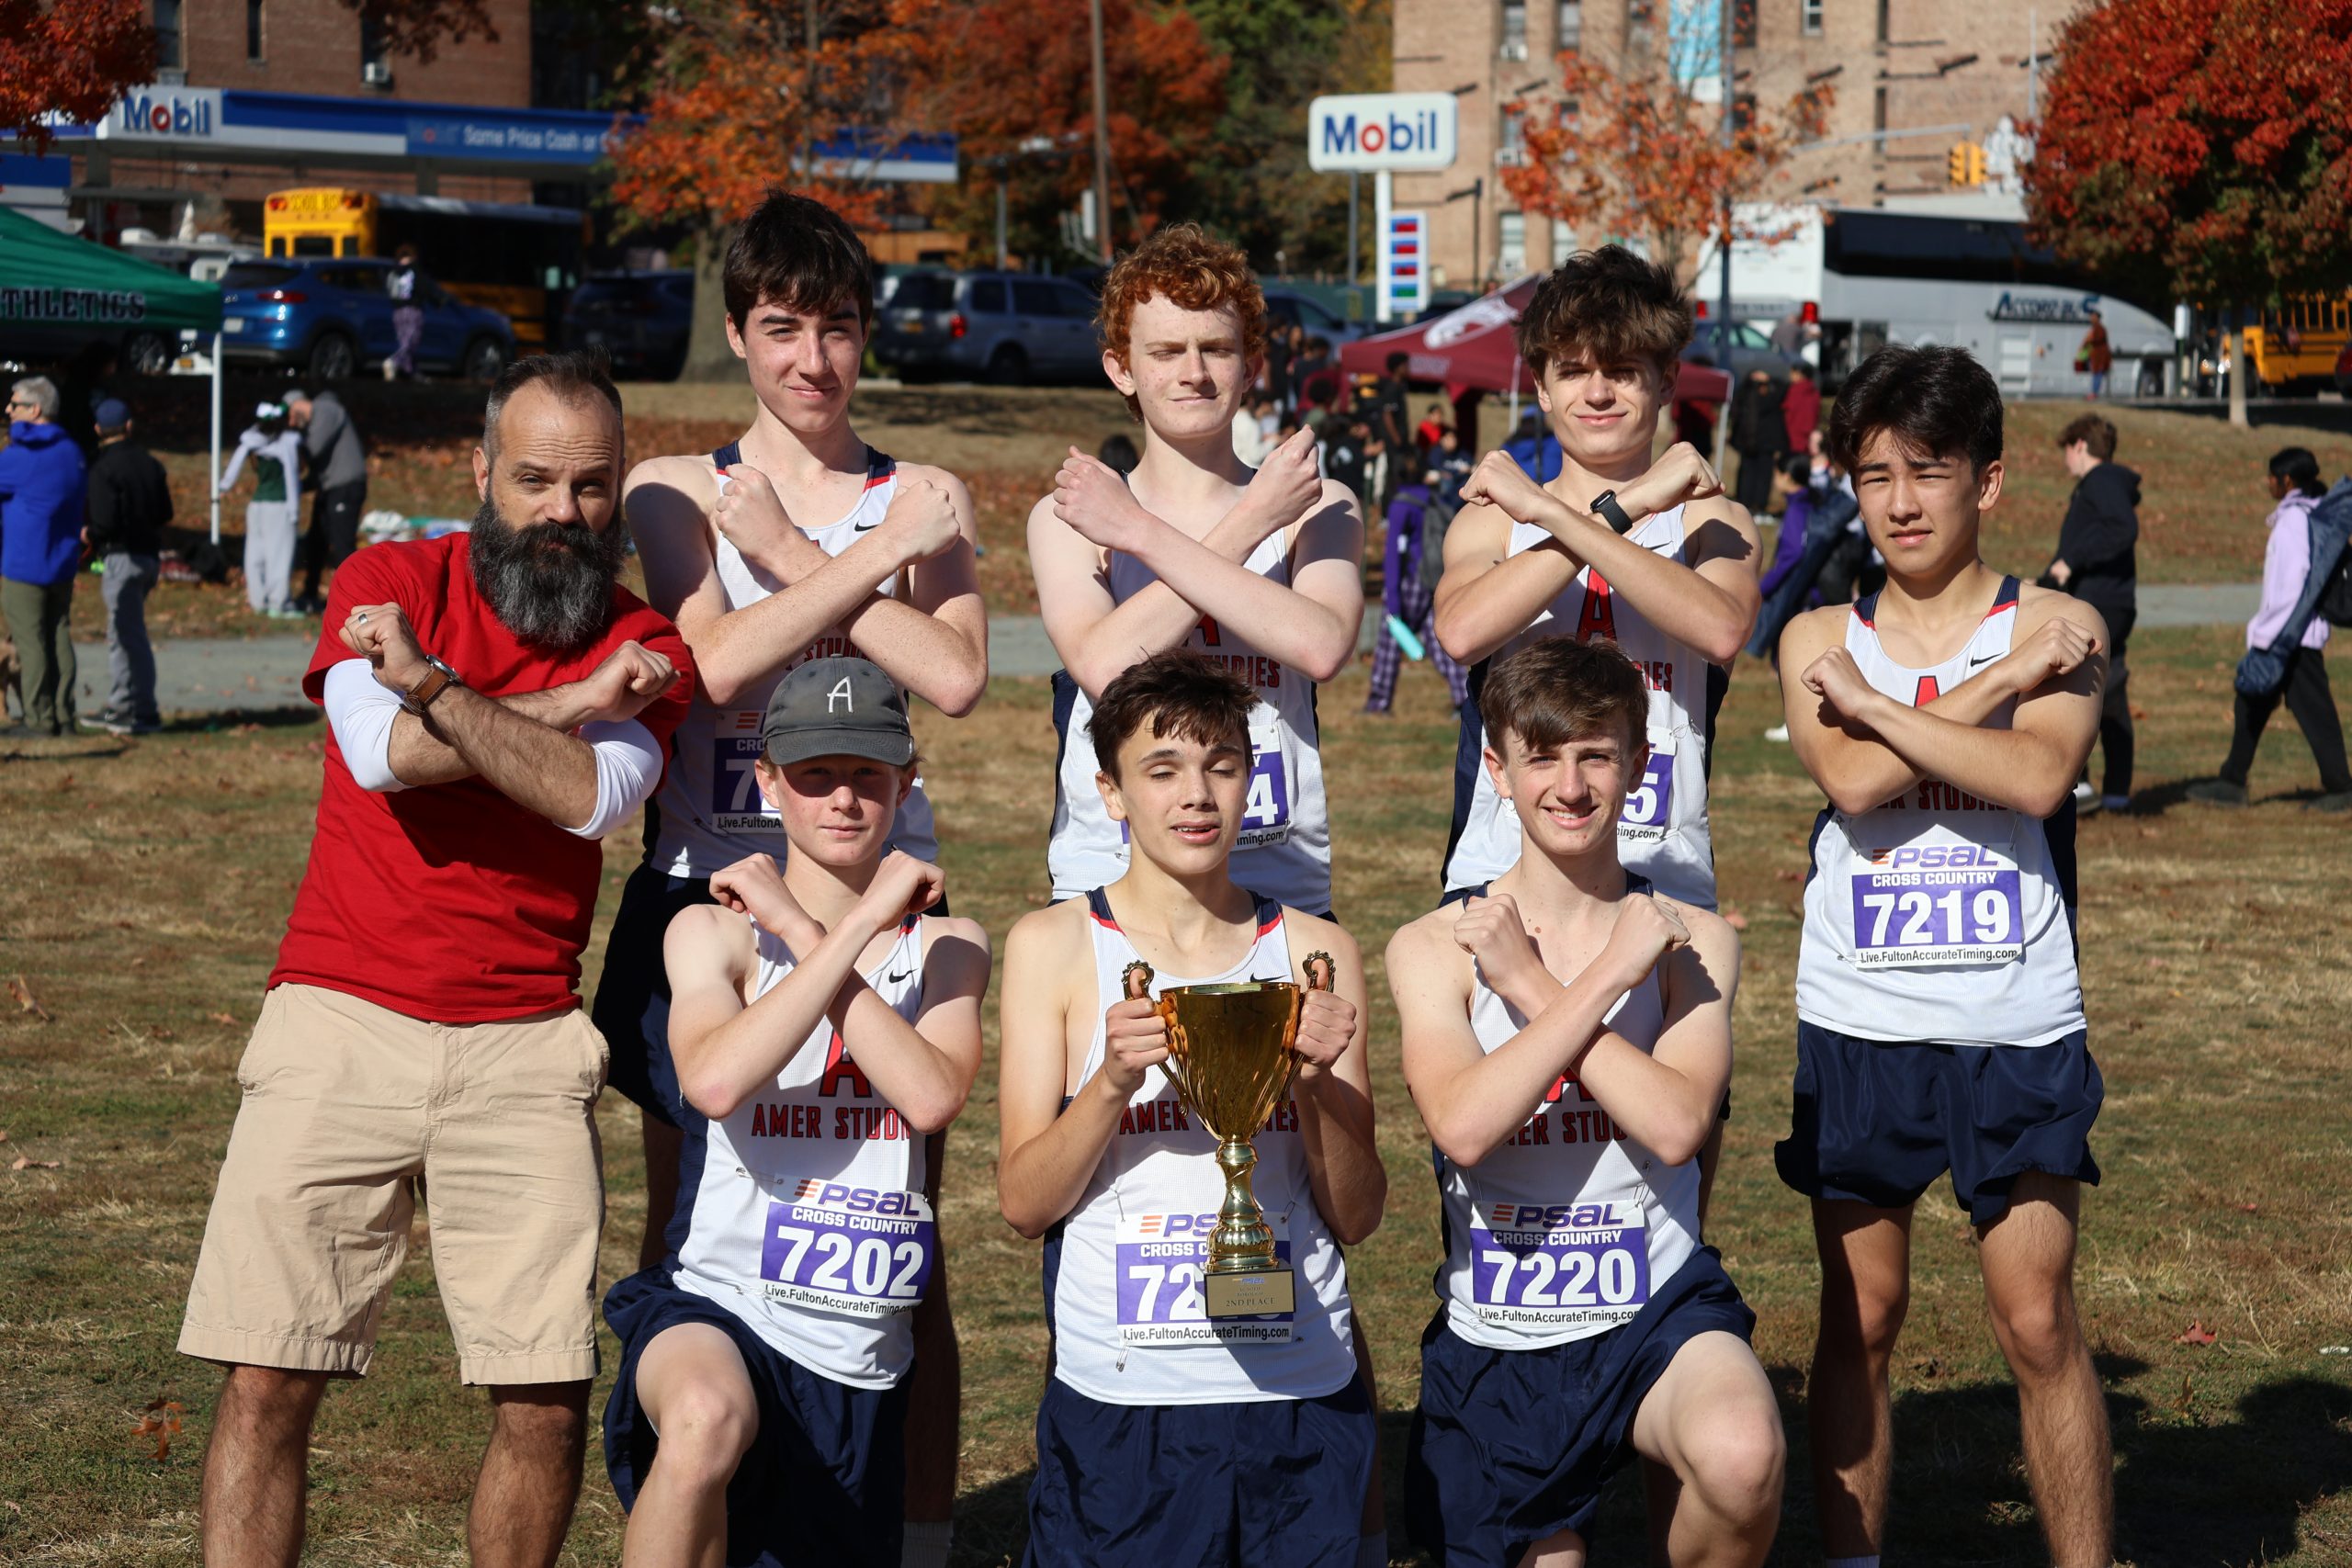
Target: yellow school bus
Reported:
point(521, 261)
point(2294, 346)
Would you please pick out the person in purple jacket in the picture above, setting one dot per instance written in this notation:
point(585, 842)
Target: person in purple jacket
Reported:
point(2296, 485)
point(1407, 592)
point(44, 485)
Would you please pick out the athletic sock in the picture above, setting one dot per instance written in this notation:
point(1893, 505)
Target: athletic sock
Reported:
point(1372, 1551)
point(1869, 1562)
point(925, 1543)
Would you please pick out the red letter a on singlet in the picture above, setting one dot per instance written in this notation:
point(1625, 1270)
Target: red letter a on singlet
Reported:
point(1208, 631)
point(1928, 692)
point(1599, 617)
point(838, 1067)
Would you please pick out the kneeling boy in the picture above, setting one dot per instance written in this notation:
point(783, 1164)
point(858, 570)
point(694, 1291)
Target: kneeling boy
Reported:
point(761, 1398)
point(1166, 1435)
point(1583, 1321)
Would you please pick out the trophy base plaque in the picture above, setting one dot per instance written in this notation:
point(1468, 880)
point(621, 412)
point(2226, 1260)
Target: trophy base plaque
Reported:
point(1249, 1296)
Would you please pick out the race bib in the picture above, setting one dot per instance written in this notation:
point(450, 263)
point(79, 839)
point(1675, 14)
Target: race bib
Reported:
point(849, 1249)
point(1265, 814)
point(1649, 805)
point(1939, 899)
point(1159, 1260)
point(1558, 1266)
point(735, 802)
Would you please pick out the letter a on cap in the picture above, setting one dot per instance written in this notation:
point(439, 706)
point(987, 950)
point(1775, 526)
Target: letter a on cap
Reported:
point(841, 691)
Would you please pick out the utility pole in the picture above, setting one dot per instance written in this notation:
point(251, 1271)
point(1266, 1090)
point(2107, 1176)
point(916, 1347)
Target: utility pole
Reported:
point(1355, 273)
point(1722, 242)
point(2032, 65)
point(1101, 135)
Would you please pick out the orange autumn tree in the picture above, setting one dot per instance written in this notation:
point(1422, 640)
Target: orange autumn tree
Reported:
point(1012, 79)
point(1631, 149)
point(745, 97)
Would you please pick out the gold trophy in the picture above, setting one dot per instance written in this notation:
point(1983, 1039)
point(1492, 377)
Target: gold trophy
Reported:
point(1229, 1056)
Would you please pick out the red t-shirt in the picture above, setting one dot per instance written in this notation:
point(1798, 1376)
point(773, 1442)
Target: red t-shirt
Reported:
point(449, 902)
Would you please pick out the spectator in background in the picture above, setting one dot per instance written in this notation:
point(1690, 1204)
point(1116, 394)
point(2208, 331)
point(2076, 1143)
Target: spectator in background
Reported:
point(2296, 485)
point(403, 283)
point(1449, 467)
point(1535, 448)
point(1392, 425)
point(1432, 425)
point(1788, 341)
point(1801, 407)
point(1760, 436)
point(130, 505)
point(1793, 497)
point(273, 511)
point(1412, 561)
point(43, 488)
point(1251, 438)
point(88, 382)
point(338, 461)
point(1320, 385)
point(1282, 347)
point(2095, 355)
point(1118, 454)
point(1344, 454)
point(2096, 563)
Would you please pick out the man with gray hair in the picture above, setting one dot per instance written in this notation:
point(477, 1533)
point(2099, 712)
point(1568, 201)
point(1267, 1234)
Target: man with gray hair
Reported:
point(497, 704)
point(338, 463)
point(43, 490)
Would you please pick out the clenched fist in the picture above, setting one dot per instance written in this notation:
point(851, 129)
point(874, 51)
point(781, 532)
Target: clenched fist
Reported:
point(624, 685)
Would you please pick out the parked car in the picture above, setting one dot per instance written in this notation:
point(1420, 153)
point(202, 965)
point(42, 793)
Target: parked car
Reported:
point(1750, 350)
point(1289, 308)
point(641, 320)
point(332, 319)
point(1005, 327)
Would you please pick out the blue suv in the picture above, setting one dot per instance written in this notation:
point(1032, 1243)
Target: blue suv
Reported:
point(330, 319)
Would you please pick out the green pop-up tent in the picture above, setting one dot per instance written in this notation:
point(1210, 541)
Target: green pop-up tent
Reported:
point(57, 284)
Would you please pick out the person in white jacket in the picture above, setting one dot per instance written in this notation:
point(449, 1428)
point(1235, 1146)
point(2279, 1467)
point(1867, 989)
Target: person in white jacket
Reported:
point(272, 512)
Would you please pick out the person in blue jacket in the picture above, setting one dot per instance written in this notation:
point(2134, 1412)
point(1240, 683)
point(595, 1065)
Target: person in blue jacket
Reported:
point(43, 487)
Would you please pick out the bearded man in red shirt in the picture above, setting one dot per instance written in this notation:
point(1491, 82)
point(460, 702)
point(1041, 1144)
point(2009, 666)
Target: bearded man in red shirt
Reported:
point(497, 704)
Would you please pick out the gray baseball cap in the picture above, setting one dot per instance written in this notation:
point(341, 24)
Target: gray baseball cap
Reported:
point(838, 707)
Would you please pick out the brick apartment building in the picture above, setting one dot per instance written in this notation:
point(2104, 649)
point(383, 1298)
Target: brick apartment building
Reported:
point(1910, 78)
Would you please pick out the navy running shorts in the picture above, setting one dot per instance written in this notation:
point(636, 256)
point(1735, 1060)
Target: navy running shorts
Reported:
point(632, 1007)
point(1510, 1448)
point(1876, 1121)
point(825, 1480)
point(1277, 1481)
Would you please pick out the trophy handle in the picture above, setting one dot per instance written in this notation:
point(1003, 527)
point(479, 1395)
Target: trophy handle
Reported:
point(1327, 978)
point(1134, 980)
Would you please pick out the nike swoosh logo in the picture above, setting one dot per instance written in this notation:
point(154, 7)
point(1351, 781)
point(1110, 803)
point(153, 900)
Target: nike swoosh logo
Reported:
point(864, 527)
point(1986, 660)
point(903, 974)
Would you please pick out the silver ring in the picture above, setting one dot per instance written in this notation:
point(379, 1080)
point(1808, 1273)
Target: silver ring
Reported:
point(361, 617)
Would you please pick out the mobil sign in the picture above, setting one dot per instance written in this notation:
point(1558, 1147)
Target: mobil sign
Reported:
point(1381, 131)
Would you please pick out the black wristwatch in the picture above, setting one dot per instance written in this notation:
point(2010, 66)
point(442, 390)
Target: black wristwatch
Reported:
point(1604, 506)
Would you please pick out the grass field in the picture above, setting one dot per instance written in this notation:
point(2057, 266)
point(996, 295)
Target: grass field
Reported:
point(2200, 514)
point(149, 882)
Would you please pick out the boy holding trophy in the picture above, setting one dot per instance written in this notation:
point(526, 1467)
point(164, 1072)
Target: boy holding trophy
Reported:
point(1567, 1039)
point(1204, 1408)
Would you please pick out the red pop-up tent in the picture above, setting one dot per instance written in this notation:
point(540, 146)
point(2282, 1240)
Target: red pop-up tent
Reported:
point(1471, 350)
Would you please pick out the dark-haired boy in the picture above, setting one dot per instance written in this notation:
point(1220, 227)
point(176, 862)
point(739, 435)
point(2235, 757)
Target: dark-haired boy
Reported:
point(1583, 1321)
point(1939, 1011)
point(795, 541)
point(1649, 554)
point(1167, 1436)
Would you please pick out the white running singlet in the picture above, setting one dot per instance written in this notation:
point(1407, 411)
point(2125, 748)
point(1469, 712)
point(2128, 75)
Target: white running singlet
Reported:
point(1571, 1225)
point(1662, 832)
point(708, 814)
point(1123, 1271)
point(804, 1212)
point(1283, 851)
point(1938, 916)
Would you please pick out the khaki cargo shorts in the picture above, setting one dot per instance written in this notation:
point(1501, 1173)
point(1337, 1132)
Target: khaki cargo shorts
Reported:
point(344, 1102)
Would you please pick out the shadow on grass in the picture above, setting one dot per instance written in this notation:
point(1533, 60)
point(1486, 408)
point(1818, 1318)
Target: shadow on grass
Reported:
point(295, 714)
point(2194, 1484)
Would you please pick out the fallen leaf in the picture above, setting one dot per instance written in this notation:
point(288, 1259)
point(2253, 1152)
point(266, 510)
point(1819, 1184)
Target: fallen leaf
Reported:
point(162, 1422)
point(2198, 1334)
point(1734, 918)
point(223, 1019)
point(25, 1002)
point(26, 1162)
point(2248, 1208)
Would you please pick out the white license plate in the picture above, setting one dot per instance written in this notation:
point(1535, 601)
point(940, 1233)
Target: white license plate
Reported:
point(232, 325)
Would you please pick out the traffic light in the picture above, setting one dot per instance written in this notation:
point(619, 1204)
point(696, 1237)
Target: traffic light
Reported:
point(1965, 165)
